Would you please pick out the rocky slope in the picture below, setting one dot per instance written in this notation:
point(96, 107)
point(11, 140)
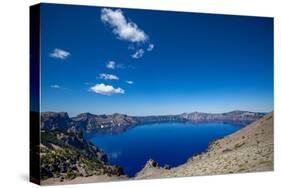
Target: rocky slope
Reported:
point(152, 170)
point(250, 149)
point(64, 153)
point(66, 156)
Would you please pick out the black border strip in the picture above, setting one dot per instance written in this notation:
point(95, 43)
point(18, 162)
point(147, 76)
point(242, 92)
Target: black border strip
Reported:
point(34, 89)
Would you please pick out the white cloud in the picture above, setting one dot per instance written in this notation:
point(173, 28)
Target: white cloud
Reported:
point(59, 54)
point(150, 47)
point(124, 29)
point(129, 82)
point(108, 76)
point(111, 65)
point(138, 54)
point(106, 89)
point(114, 65)
point(55, 86)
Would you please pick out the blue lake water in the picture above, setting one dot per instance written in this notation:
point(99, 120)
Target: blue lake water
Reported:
point(166, 143)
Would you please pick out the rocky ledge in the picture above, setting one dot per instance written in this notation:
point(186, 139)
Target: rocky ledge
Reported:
point(151, 169)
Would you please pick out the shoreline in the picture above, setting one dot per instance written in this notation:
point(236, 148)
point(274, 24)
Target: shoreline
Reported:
point(91, 138)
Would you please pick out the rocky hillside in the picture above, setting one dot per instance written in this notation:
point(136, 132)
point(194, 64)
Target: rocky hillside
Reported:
point(89, 122)
point(250, 149)
point(55, 120)
point(84, 121)
point(66, 156)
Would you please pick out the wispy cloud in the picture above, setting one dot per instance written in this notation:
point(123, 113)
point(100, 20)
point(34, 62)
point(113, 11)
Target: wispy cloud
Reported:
point(108, 76)
point(123, 28)
point(138, 54)
point(111, 65)
point(106, 89)
point(59, 54)
point(129, 82)
point(114, 65)
point(150, 47)
point(55, 86)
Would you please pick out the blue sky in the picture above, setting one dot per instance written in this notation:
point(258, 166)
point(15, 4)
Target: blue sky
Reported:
point(142, 62)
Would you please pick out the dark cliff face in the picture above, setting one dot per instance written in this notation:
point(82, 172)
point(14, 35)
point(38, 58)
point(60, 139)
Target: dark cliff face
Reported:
point(54, 120)
point(87, 121)
point(84, 121)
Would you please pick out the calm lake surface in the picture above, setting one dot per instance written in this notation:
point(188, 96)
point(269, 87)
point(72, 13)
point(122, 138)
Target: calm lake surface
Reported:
point(166, 143)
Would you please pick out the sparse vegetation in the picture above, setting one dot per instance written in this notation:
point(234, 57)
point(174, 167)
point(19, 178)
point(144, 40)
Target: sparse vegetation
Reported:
point(59, 159)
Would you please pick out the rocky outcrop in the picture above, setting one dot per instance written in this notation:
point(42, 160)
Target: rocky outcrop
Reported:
point(54, 120)
point(250, 149)
point(151, 168)
point(87, 121)
point(84, 121)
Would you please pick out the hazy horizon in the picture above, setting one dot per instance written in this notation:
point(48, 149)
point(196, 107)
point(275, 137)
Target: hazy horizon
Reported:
point(143, 62)
point(74, 115)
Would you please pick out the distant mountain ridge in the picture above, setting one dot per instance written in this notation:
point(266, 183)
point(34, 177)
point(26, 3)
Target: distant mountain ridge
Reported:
point(88, 121)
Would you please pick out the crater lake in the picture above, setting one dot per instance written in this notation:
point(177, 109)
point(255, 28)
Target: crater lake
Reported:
point(170, 143)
